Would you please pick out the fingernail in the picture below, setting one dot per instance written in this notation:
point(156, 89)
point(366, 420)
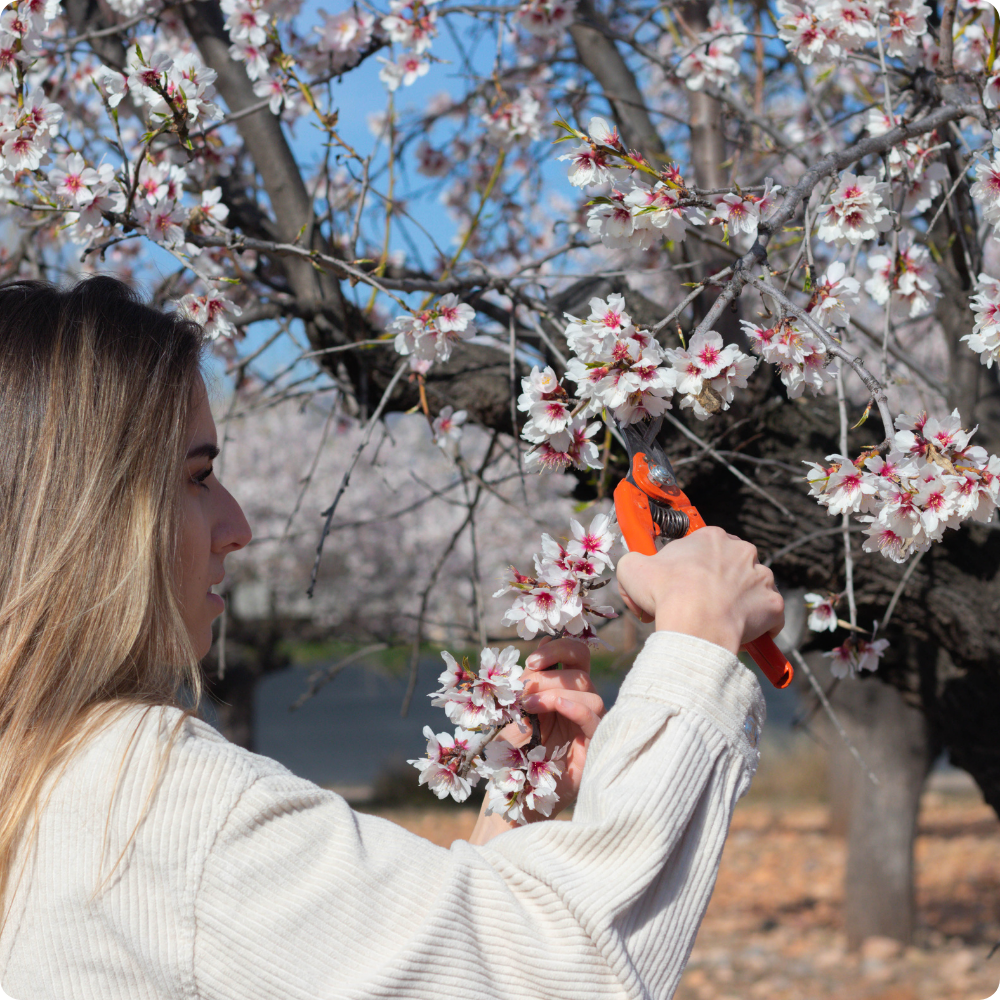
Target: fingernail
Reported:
point(533, 662)
point(532, 703)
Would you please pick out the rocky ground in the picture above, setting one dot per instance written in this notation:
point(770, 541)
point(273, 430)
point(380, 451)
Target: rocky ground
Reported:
point(774, 928)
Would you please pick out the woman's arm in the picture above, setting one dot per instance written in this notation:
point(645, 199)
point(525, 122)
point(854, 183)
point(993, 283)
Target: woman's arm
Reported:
point(302, 898)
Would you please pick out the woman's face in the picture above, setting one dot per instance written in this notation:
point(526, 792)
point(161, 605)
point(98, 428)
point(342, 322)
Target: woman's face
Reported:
point(212, 526)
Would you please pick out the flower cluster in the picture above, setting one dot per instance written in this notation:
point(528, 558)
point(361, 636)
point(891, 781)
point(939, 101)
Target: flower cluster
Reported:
point(832, 295)
point(480, 704)
point(708, 372)
point(985, 336)
point(986, 191)
point(651, 210)
point(743, 213)
point(86, 193)
point(826, 30)
point(26, 133)
point(345, 36)
point(412, 25)
point(856, 653)
point(429, 335)
point(858, 210)
point(620, 368)
point(178, 88)
point(617, 366)
point(931, 479)
point(513, 120)
point(560, 437)
point(912, 164)
point(250, 24)
point(212, 312)
point(520, 779)
point(544, 19)
point(714, 60)
point(799, 355)
point(909, 279)
point(556, 600)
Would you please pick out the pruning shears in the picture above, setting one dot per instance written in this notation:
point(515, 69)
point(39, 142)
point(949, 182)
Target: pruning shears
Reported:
point(650, 504)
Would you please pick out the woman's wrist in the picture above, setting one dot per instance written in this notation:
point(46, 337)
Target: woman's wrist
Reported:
point(716, 630)
point(488, 827)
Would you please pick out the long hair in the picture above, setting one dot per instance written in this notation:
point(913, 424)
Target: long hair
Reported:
point(95, 397)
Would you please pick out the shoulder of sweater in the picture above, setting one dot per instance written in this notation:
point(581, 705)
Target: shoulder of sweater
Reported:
point(188, 758)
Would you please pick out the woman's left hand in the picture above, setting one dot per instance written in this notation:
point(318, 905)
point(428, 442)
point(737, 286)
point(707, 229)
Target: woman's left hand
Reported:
point(568, 707)
point(569, 710)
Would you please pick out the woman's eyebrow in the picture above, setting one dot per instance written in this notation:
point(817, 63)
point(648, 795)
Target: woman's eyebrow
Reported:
point(207, 450)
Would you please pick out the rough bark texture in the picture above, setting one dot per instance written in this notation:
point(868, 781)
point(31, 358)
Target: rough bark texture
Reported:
point(603, 59)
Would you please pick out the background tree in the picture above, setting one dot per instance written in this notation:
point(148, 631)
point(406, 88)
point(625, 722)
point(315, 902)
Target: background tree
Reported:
point(823, 171)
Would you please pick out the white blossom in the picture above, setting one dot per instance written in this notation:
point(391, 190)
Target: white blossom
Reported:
point(832, 295)
point(909, 278)
point(855, 211)
point(447, 428)
point(985, 336)
point(822, 615)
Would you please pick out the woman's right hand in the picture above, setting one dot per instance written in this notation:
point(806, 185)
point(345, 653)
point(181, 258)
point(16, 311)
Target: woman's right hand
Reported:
point(708, 584)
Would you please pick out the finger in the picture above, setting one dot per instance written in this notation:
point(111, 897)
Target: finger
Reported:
point(580, 713)
point(634, 608)
point(552, 699)
point(516, 734)
point(566, 650)
point(567, 680)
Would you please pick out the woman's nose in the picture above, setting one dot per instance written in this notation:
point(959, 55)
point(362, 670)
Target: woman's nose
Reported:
point(231, 531)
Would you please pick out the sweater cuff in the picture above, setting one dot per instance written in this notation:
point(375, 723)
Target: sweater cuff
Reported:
point(698, 675)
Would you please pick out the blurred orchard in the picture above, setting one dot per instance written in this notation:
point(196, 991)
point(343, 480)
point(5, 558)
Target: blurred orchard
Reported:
point(768, 226)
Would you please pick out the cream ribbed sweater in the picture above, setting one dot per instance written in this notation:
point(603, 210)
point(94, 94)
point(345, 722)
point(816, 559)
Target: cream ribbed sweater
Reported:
point(245, 882)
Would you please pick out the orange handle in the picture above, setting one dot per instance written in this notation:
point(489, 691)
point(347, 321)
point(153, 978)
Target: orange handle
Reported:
point(640, 531)
point(771, 660)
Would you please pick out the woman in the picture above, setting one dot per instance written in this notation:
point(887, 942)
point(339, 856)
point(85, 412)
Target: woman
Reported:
point(143, 856)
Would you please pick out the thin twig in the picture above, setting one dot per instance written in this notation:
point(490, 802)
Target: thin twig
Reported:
point(846, 518)
point(828, 708)
point(318, 679)
point(806, 539)
point(425, 596)
point(308, 478)
point(914, 562)
point(366, 437)
point(513, 403)
point(708, 449)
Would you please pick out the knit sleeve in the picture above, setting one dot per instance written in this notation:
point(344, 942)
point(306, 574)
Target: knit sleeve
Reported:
point(300, 897)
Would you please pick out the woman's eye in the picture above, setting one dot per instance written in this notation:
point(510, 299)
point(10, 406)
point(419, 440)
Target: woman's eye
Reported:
point(201, 477)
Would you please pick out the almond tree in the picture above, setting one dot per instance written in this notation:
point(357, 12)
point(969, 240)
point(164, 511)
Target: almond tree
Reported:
point(758, 200)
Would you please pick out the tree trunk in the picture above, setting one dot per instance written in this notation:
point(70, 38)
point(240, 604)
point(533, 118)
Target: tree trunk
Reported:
point(895, 741)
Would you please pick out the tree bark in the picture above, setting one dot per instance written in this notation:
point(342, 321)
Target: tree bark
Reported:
point(600, 55)
point(894, 738)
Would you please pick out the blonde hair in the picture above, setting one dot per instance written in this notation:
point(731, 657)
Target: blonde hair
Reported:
point(95, 398)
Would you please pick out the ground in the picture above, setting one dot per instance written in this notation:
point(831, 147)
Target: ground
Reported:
point(774, 928)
